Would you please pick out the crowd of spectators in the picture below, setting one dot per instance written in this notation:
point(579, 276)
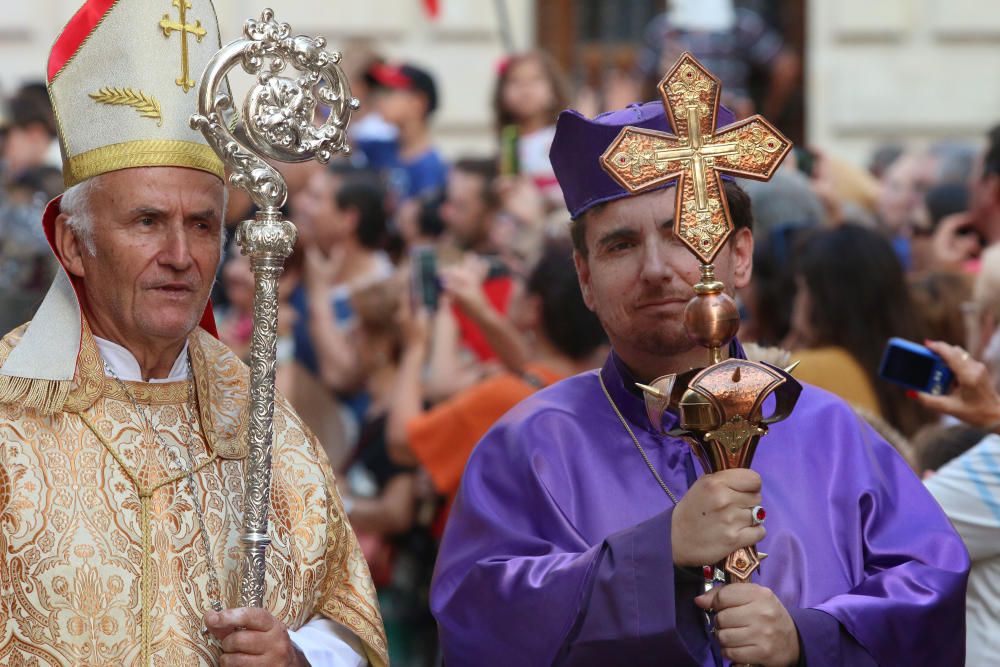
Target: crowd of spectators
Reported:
point(426, 296)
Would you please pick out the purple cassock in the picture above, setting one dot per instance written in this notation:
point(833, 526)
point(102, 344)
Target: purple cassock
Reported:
point(558, 549)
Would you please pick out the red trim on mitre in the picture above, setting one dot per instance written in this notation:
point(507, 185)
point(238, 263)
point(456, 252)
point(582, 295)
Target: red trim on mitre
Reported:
point(49, 225)
point(76, 31)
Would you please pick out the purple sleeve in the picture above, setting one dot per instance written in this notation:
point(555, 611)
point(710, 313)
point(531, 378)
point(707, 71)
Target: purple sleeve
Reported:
point(634, 607)
point(517, 584)
point(825, 643)
point(909, 607)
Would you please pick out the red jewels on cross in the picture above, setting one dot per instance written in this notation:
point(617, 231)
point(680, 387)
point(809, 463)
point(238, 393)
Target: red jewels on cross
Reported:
point(696, 156)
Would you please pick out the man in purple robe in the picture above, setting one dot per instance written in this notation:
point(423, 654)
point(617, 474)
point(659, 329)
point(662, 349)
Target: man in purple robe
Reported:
point(577, 535)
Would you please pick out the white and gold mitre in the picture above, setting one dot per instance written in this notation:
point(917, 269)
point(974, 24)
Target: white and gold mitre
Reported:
point(123, 79)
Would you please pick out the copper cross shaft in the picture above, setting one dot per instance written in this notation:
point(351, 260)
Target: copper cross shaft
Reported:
point(641, 159)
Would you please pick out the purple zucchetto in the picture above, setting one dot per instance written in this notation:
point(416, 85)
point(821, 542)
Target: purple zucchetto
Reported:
point(580, 142)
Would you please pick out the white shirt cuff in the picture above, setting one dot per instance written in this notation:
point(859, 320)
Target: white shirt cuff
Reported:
point(326, 643)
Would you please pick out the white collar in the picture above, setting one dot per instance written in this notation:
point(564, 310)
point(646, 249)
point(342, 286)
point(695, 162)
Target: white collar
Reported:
point(125, 366)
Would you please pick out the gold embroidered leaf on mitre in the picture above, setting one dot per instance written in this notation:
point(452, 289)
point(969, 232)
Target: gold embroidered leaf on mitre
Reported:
point(146, 105)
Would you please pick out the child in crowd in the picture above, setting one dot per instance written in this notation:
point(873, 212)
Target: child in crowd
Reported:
point(407, 96)
point(530, 92)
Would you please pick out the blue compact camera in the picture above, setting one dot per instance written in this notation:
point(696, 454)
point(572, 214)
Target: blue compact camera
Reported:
point(916, 367)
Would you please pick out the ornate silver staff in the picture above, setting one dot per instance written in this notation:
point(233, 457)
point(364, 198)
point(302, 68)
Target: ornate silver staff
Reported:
point(278, 116)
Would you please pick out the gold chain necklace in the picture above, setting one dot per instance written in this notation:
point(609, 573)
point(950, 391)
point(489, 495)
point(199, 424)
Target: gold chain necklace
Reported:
point(638, 446)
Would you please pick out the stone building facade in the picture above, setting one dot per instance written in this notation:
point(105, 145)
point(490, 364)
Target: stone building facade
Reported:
point(877, 71)
point(461, 45)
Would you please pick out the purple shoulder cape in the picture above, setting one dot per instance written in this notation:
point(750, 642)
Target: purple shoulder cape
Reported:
point(558, 546)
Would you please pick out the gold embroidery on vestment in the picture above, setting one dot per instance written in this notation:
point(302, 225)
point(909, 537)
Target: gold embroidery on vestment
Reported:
point(116, 520)
point(146, 568)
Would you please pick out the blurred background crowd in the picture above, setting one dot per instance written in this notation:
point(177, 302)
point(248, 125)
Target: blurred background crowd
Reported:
point(431, 289)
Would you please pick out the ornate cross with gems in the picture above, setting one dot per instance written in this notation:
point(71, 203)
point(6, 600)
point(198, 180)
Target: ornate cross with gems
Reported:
point(184, 28)
point(641, 159)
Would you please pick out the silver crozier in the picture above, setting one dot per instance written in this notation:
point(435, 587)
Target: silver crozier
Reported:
point(293, 75)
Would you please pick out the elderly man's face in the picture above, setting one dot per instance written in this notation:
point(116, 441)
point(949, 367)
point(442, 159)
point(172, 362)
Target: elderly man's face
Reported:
point(638, 276)
point(156, 232)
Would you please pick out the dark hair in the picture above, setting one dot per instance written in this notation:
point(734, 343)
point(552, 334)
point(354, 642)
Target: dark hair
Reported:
point(44, 179)
point(429, 220)
point(568, 323)
point(364, 194)
point(882, 159)
point(991, 159)
point(937, 445)
point(946, 199)
point(28, 108)
point(486, 169)
point(739, 209)
point(774, 283)
point(938, 297)
point(860, 300)
point(554, 74)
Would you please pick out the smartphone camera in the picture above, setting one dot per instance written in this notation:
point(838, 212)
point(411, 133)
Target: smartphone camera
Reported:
point(426, 287)
point(914, 366)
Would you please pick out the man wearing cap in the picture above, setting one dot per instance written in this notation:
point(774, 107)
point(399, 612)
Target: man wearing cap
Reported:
point(580, 531)
point(407, 97)
point(123, 419)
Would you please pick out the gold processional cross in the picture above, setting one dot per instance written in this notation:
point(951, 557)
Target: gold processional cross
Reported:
point(641, 159)
point(183, 27)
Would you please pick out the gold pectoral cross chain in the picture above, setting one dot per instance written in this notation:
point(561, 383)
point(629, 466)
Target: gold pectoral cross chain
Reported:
point(184, 28)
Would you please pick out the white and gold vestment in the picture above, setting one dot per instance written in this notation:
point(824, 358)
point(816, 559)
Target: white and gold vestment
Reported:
point(102, 563)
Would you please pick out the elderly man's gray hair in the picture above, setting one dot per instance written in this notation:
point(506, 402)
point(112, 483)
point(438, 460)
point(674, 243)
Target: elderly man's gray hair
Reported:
point(76, 203)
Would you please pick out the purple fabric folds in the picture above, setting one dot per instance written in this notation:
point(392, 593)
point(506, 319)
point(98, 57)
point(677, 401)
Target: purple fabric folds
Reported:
point(558, 547)
point(580, 141)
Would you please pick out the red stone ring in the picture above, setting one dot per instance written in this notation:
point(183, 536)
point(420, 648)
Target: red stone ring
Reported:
point(757, 515)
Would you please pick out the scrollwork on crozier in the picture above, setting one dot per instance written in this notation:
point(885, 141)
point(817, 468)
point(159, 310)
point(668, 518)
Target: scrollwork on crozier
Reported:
point(252, 587)
point(258, 463)
point(279, 110)
point(247, 171)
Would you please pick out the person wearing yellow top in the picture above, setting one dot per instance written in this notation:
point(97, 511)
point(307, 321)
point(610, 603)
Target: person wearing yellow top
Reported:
point(834, 369)
point(851, 297)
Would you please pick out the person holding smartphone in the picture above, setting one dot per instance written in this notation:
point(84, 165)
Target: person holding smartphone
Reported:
point(968, 489)
point(974, 397)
